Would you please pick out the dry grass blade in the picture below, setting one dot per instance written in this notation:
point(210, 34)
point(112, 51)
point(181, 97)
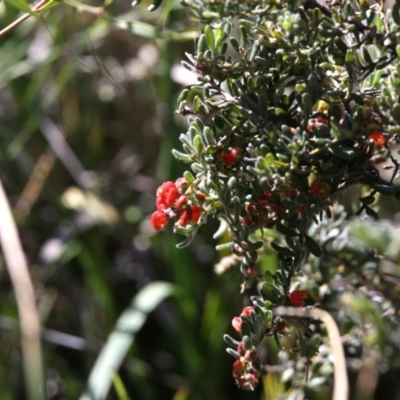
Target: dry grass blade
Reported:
point(341, 385)
point(25, 297)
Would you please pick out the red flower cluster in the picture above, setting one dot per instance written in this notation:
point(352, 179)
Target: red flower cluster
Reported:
point(229, 157)
point(320, 189)
point(267, 207)
point(314, 122)
point(237, 321)
point(171, 203)
point(297, 297)
point(246, 376)
point(378, 138)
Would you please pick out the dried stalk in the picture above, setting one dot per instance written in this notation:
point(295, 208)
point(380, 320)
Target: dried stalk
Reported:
point(25, 298)
point(341, 385)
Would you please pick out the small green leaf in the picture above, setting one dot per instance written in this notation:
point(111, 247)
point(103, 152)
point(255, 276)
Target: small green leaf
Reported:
point(388, 190)
point(269, 292)
point(335, 112)
point(247, 343)
point(210, 37)
point(181, 156)
point(342, 152)
point(233, 353)
point(183, 96)
point(307, 103)
point(235, 44)
point(223, 226)
point(202, 44)
point(285, 230)
point(396, 13)
point(313, 246)
point(230, 341)
point(188, 177)
point(254, 50)
point(395, 111)
point(284, 251)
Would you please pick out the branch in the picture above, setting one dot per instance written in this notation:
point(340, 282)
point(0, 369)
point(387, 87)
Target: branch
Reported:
point(24, 17)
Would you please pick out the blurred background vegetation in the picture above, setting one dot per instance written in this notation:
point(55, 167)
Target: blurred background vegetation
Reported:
point(87, 124)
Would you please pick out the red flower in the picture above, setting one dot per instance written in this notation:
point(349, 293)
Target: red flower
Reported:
point(246, 222)
point(320, 189)
point(183, 217)
point(161, 204)
point(159, 219)
point(240, 349)
point(165, 188)
point(172, 196)
point(167, 194)
point(313, 122)
point(237, 324)
point(247, 311)
point(378, 138)
point(195, 214)
point(182, 200)
point(281, 325)
point(228, 157)
point(181, 183)
point(202, 68)
point(189, 216)
point(237, 321)
point(238, 368)
point(297, 296)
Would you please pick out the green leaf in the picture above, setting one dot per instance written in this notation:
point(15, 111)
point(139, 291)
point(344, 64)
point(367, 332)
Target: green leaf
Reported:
point(395, 111)
point(282, 250)
point(119, 387)
point(121, 338)
point(388, 190)
point(233, 353)
point(230, 341)
point(342, 152)
point(396, 13)
point(285, 230)
point(270, 292)
point(202, 44)
point(22, 6)
point(313, 246)
point(223, 226)
point(235, 44)
point(210, 37)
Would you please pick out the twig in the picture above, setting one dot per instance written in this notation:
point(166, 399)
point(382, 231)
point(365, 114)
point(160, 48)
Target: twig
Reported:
point(341, 385)
point(35, 183)
point(25, 298)
point(23, 17)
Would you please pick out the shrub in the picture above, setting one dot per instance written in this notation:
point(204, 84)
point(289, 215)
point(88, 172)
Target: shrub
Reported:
point(297, 102)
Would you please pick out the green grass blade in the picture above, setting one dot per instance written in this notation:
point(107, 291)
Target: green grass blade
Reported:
point(122, 337)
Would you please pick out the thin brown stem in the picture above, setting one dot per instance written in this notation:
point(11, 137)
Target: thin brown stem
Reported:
point(341, 385)
point(25, 298)
point(23, 17)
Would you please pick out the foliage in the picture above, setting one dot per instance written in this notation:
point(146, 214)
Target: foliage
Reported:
point(87, 126)
point(295, 111)
point(296, 102)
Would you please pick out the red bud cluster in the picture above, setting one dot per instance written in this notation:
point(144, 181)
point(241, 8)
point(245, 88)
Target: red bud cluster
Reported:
point(297, 297)
point(172, 203)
